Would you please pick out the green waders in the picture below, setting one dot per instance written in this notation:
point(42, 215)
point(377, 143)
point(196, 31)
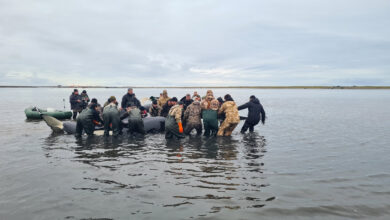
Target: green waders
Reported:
point(111, 117)
point(210, 122)
point(84, 122)
point(172, 128)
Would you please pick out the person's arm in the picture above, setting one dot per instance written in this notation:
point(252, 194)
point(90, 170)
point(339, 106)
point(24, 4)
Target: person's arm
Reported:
point(244, 106)
point(138, 103)
point(222, 109)
point(159, 111)
point(96, 116)
point(262, 114)
point(178, 115)
point(123, 103)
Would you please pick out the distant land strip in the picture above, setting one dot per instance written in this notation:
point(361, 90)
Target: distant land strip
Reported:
point(206, 87)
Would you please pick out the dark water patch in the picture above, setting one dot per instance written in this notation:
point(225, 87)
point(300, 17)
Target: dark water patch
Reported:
point(178, 204)
point(208, 196)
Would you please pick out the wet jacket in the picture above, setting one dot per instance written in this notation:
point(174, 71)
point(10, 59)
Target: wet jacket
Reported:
point(176, 112)
point(231, 112)
point(128, 100)
point(192, 114)
point(74, 105)
point(210, 103)
point(255, 111)
point(155, 111)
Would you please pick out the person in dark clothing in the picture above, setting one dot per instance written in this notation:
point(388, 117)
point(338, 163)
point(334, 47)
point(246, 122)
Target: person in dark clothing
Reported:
point(186, 100)
point(76, 103)
point(255, 114)
point(85, 99)
point(155, 109)
point(99, 107)
point(136, 123)
point(129, 99)
point(166, 107)
point(111, 118)
point(221, 117)
point(87, 121)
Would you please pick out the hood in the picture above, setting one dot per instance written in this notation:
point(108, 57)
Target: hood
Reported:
point(256, 101)
point(196, 103)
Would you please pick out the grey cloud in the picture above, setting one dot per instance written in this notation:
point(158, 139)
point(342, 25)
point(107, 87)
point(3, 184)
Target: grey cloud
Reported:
point(195, 42)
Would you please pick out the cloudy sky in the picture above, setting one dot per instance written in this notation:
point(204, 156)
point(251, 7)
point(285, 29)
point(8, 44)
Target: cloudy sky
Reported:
point(202, 42)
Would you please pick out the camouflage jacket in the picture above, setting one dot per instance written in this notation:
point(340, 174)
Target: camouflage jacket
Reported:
point(231, 112)
point(210, 103)
point(193, 113)
point(176, 112)
point(155, 111)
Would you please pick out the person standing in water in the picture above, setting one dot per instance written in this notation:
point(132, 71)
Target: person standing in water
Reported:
point(255, 114)
point(85, 99)
point(136, 124)
point(129, 99)
point(163, 99)
point(111, 116)
point(173, 123)
point(232, 118)
point(87, 121)
point(192, 116)
point(76, 104)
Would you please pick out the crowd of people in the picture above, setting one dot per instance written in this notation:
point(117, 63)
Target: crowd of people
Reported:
point(220, 116)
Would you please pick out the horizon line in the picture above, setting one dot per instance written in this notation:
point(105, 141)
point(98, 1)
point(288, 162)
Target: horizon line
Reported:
point(201, 87)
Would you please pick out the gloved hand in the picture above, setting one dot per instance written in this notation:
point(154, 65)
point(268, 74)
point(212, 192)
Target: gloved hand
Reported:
point(180, 127)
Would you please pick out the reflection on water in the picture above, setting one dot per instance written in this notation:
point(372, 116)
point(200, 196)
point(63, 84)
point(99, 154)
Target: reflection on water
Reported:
point(161, 174)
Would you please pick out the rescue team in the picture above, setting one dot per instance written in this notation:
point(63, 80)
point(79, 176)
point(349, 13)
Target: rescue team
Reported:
point(181, 117)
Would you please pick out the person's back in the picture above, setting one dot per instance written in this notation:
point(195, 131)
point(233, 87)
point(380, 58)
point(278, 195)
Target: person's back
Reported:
point(232, 118)
point(86, 121)
point(231, 112)
point(192, 116)
point(173, 123)
point(111, 116)
point(135, 121)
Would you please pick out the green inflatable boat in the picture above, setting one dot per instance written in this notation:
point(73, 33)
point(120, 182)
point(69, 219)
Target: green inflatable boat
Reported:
point(36, 113)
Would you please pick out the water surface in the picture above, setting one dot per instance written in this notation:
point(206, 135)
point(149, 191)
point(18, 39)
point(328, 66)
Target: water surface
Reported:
point(323, 154)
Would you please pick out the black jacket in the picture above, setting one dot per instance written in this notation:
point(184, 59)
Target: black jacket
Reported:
point(165, 110)
point(73, 102)
point(255, 111)
point(128, 100)
point(186, 102)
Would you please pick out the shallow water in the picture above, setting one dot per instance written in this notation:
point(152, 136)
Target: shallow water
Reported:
point(323, 154)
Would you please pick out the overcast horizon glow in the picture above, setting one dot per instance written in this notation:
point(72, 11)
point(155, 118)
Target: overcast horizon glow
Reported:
point(195, 43)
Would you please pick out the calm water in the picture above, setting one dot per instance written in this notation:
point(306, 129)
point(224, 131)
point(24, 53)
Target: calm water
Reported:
point(323, 154)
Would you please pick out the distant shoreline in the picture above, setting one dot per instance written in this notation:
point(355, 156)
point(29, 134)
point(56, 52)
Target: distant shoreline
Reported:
point(208, 87)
